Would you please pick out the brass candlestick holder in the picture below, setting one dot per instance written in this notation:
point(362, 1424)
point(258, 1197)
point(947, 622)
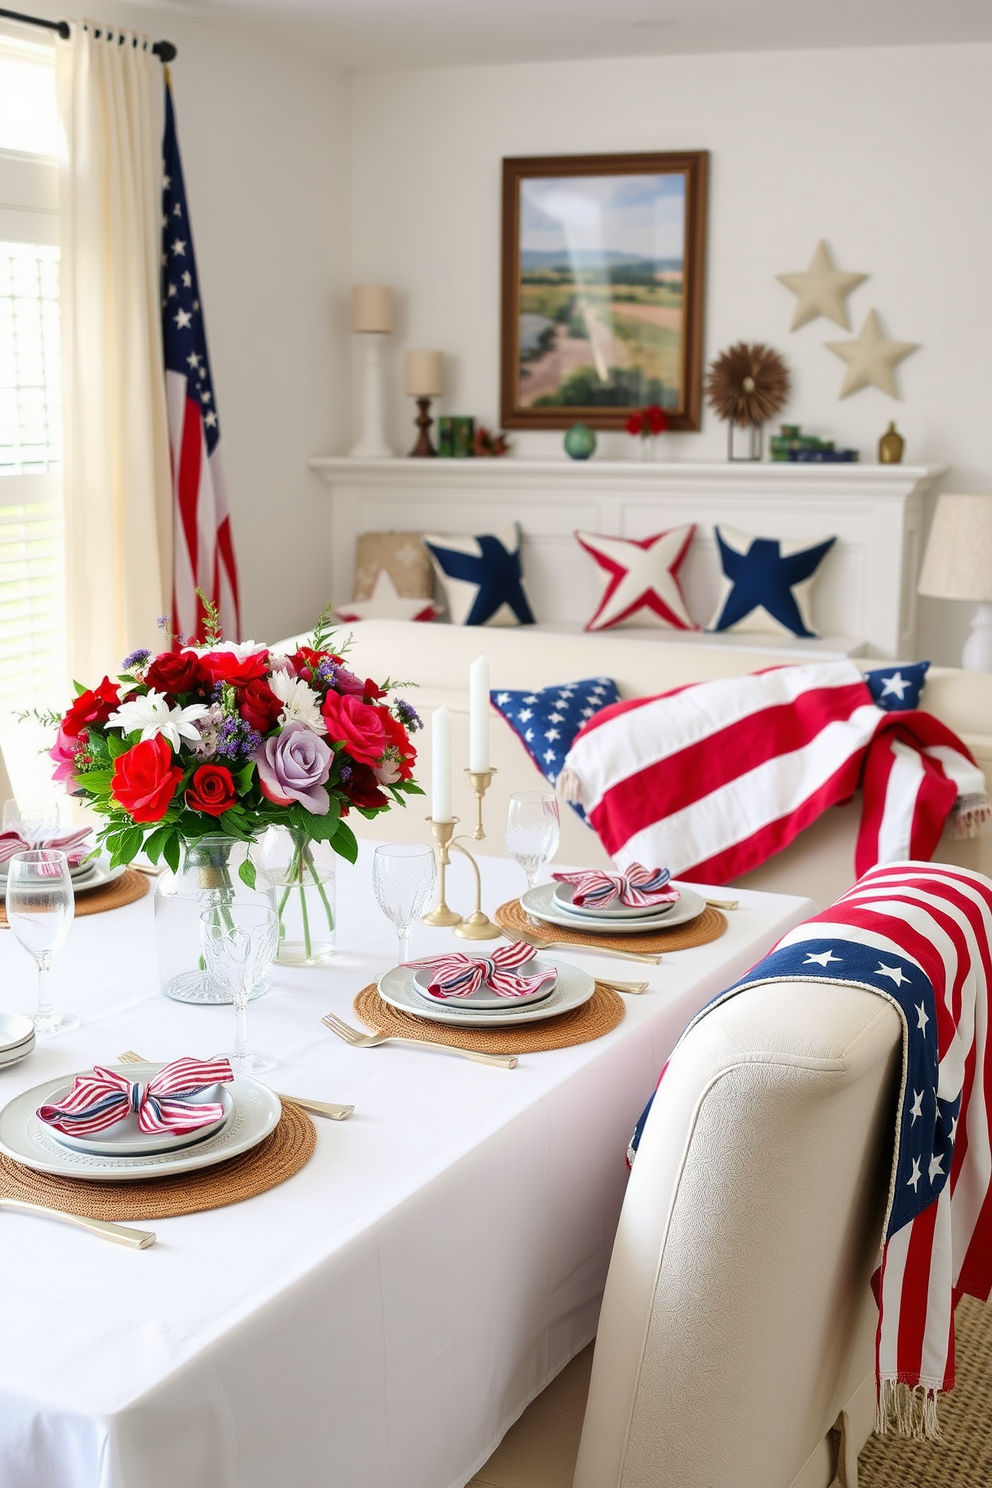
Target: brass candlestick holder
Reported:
point(477, 925)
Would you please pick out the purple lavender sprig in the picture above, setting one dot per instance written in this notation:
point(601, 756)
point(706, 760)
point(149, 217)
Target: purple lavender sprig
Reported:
point(136, 659)
point(408, 715)
point(237, 739)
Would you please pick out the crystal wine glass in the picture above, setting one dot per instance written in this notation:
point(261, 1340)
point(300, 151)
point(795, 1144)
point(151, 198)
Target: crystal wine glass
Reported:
point(239, 941)
point(37, 822)
point(403, 876)
point(532, 830)
point(40, 907)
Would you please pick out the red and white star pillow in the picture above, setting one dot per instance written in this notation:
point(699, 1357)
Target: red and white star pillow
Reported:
point(642, 586)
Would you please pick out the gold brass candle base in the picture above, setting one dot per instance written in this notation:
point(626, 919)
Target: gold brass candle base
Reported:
point(442, 832)
point(480, 781)
point(478, 926)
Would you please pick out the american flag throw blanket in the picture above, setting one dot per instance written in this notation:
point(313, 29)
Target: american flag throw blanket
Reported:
point(918, 934)
point(713, 778)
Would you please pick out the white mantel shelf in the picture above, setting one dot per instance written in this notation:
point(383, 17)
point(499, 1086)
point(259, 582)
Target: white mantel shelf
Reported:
point(866, 589)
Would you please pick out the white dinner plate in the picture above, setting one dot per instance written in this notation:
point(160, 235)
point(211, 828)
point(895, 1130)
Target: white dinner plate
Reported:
point(572, 989)
point(15, 1029)
point(28, 1140)
point(14, 1056)
point(92, 876)
point(482, 998)
point(563, 900)
point(126, 1139)
point(540, 902)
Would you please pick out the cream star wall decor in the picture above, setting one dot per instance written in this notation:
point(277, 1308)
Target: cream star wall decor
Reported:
point(871, 358)
point(822, 290)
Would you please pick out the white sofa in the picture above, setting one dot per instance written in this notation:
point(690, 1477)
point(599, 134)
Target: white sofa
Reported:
point(820, 863)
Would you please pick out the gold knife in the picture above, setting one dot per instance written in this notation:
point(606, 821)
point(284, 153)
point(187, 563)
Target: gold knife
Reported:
point(572, 945)
point(119, 1234)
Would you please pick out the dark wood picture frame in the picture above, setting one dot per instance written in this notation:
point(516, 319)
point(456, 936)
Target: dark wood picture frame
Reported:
point(683, 402)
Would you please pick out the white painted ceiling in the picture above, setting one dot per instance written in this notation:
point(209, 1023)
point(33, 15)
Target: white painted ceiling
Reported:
point(424, 33)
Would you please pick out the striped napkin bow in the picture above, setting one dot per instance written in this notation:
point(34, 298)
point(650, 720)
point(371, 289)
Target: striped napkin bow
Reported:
point(71, 843)
point(167, 1103)
point(459, 975)
point(637, 888)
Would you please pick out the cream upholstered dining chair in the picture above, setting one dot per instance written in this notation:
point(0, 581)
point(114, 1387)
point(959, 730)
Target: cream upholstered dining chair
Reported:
point(735, 1346)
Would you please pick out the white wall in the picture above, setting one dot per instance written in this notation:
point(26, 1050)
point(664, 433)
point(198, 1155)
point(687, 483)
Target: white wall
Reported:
point(885, 152)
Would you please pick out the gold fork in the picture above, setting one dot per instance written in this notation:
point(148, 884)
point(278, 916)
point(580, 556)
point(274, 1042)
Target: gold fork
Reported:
point(105, 1229)
point(540, 944)
point(320, 1108)
point(373, 1040)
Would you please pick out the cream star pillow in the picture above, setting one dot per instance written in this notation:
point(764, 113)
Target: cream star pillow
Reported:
point(642, 584)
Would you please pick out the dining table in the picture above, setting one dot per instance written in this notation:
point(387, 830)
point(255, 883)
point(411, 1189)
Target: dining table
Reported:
point(382, 1317)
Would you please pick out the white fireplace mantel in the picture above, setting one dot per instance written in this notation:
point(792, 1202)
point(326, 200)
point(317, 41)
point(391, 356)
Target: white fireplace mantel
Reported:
point(866, 589)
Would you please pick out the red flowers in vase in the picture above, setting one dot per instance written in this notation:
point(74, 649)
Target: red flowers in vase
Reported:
point(648, 422)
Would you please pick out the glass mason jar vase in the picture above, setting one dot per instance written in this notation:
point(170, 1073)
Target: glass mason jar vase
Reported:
point(208, 875)
point(301, 875)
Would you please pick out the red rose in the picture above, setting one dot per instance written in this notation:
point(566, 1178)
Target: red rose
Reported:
point(305, 661)
point(657, 419)
point(362, 789)
point(226, 666)
point(91, 707)
point(635, 424)
point(211, 790)
point(356, 725)
point(145, 779)
point(401, 754)
point(177, 671)
point(258, 705)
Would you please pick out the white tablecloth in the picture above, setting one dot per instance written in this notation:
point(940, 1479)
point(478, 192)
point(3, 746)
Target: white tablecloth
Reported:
point(379, 1320)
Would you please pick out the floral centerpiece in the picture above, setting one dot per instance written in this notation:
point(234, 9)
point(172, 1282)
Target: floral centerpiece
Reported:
point(234, 738)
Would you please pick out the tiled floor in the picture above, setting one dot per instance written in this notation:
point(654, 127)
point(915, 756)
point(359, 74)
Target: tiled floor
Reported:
point(540, 1449)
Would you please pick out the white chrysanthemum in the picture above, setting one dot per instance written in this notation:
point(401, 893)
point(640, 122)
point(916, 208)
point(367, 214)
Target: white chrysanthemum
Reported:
point(151, 715)
point(300, 704)
point(240, 649)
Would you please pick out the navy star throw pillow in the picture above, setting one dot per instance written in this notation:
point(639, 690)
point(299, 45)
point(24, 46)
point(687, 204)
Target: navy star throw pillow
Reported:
point(767, 582)
point(898, 688)
point(547, 720)
point(481, 577)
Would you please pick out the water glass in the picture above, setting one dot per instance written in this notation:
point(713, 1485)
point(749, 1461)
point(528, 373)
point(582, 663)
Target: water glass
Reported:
point(403, 876)
point(40, 907)
point(37, 822)
point(239, 943)
point(532, 830)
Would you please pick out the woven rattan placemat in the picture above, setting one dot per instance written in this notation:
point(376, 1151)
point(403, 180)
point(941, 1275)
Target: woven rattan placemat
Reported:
point(708, 926)
point(599, 1015)
point(130, 886)
point(284, 1152)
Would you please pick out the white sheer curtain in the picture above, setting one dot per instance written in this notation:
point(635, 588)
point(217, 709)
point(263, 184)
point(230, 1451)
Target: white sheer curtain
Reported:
point(117, 474)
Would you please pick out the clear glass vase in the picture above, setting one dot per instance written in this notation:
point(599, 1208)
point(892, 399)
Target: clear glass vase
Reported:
point(301, 874)
point(209, 875)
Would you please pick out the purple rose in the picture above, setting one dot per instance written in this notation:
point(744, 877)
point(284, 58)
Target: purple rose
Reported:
point(293, 766)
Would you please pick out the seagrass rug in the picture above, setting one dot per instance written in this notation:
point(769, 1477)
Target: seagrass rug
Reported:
point(963, 1458)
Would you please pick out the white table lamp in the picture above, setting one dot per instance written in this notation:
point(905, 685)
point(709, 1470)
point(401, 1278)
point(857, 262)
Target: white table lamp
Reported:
point(424, 381)
point(371, 320)
point(958, 565)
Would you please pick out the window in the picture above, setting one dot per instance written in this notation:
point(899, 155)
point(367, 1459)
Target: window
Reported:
point(32, 650)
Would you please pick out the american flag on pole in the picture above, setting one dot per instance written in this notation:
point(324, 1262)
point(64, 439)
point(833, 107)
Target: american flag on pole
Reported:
point(203, 548)
point(920, 935)
point(711, 779)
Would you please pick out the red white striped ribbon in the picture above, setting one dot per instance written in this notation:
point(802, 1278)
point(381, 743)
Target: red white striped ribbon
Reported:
point(638, 887)
point(458, 975)
point(165, 1104)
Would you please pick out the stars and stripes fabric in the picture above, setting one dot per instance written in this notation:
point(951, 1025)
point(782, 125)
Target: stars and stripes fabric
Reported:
point(919, 935)
point(203, 545)
point(637, 888)
point(459, 975)
point(547, 719)
point(713, 778)
point(166, 1103)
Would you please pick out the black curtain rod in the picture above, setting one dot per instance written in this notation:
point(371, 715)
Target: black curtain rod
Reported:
point(162, 49)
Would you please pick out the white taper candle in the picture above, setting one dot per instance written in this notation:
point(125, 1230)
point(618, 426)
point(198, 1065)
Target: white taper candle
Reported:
point(441, 764)
point(478, 715)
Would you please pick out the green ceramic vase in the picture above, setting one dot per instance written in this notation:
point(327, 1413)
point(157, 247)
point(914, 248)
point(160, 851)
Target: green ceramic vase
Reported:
point(580, 442)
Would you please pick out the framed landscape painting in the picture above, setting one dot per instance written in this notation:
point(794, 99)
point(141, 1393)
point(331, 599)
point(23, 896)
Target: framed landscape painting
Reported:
point(603, 263)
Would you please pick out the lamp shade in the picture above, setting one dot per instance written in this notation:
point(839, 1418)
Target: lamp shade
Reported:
point(372, 308)
point(425, 374)
point(958, 560)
